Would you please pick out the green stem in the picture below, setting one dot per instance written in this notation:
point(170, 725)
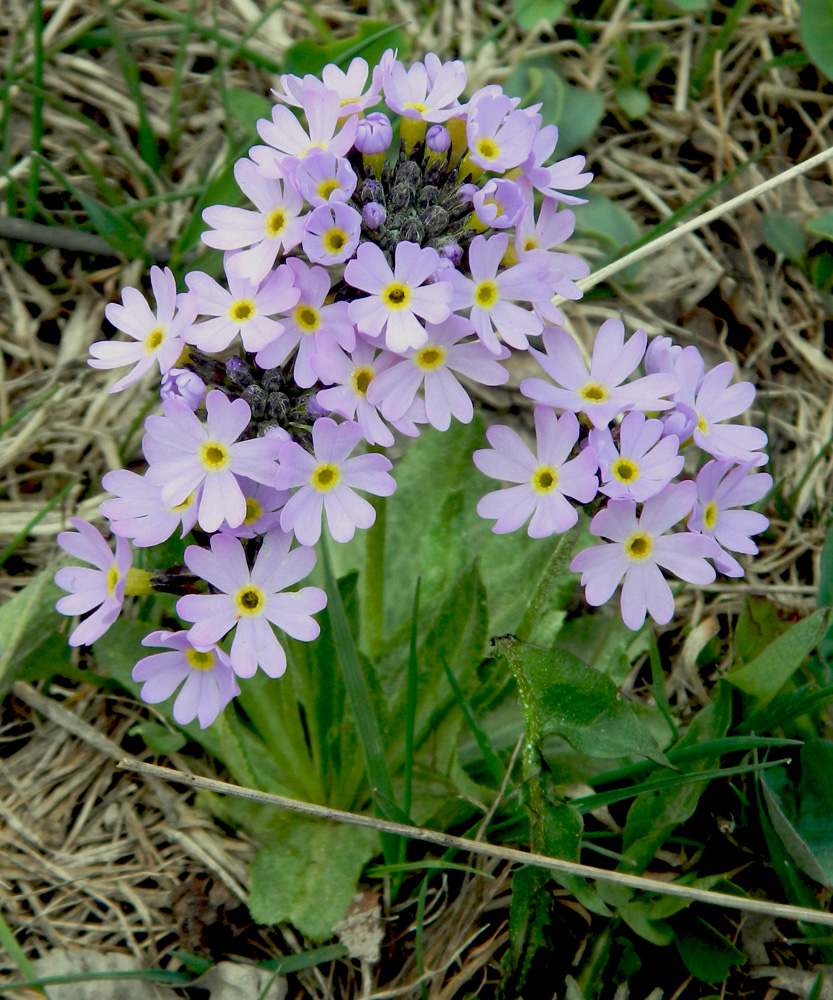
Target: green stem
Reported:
point(554, 570)
point(374, 579)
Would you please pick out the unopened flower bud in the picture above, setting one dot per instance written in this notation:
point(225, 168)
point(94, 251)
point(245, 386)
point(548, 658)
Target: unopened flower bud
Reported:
point(452, 251)
point(438, 139)
point(428, 196)
point(435, 221)
point(278, 406)
point(372, 190)
point(374, 215)
point(256, 396)
point(239, 372)
point(273, 380)
point(412, 230)
point(401, 196)
point(374, 134)
point(182, 384)
point(409, 173)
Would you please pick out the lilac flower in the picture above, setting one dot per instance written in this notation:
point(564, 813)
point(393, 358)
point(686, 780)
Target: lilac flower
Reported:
point(637, 550)
point(351, 377)
point(598, 393)
point(499, 204)
point(717, 401)
point(137, 512)
point(545, 479)
point(322, 177)
point(491, 295)
point(102, 588)
point(190, 454)
point(251, 601)
point(564, 174)
point(347, 85)
point(263, 509)
point(209, 685)
point(277, 224)
point(157, 335)
point(332, 233)
point(395, 298)
point(432, 366)
point(180, 383)
point(412, 93)
point(311, 325)
point(642, 464)
point(245, 309)
point(720, 488)
point(327, 479)
point(323, 111)
point(498, 137)
point(374, 134)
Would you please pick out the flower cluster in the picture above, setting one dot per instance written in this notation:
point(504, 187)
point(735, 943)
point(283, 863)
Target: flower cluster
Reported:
point(368, 282)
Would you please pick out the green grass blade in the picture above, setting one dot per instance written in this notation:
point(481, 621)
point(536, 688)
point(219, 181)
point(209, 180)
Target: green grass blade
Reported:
point(490, 758)
point(434, 864)
point(370, 735)
point(586, 803)
point(24, 411)
point(10, 943)
point(703, 67)
point(20, 537)
point(37, 108)
point(148, 146)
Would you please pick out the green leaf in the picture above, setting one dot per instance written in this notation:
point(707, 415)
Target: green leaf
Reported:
point(803, 818)
point(653, 818)
point(246, 107)
point(529, 15)
point(707, 954)
point(28, 622)
point(634, 101)
point(529, 914)
point(784, 236)
point(758, 625)
point(370, 41)
point(158, 738)
point(310, 875)
point(823, 225)
point(579, 704)
point(815, 27)
point(771, 669)
point(821, 271)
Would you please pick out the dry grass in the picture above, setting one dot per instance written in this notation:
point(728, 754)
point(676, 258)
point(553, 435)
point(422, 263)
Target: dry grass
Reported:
point(91, 858)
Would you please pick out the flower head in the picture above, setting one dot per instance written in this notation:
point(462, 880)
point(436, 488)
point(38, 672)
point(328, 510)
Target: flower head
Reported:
point(101, 588)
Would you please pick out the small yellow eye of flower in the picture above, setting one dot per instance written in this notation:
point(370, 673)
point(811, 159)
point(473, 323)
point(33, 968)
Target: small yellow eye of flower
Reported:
point(430, 357)
point(253, 511)
point(276, 223)
point(154, 339)
point(242, 310)
point(325, 477)
point(530, 243)
point(702, 424)
point(313, 145)
point(335, 240)
point(198, 660)
point(488, 149)
point(625, 470)
point(396, 296)
point(360, 379)
point(326, 188)
point(214, 456)
point(710, 515)
point(593, 392)
point(184, 505)
point(307, 318)
point(112, 580)
point(544, 479)
point(416, 106)
point(496, 203)
point(486, 294)
point(249, 600)
point(639, 546)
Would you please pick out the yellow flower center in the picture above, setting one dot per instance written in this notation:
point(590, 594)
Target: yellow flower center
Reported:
point(253, 511)
point(430, 357)
point(249, 600)
point(112, 579)
point(154, 339)
point(496, 203)
point(186, 503)
point(313, 145)
point(396, 296)
point(326, 188)
point(325, 477)
point(530, 243)
point(485, 294)
point(307, 318)
point(198, 660)
point(361, 379)
point(710, 514)
point(276, 222)
point(593, 392)
point(242, 310)
point(416, 106)
point(625, 470)
point(487, 149)
point(214, 456)
point(639, 546)
point(702, 424)
point(544, 479)
point(335, 240)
